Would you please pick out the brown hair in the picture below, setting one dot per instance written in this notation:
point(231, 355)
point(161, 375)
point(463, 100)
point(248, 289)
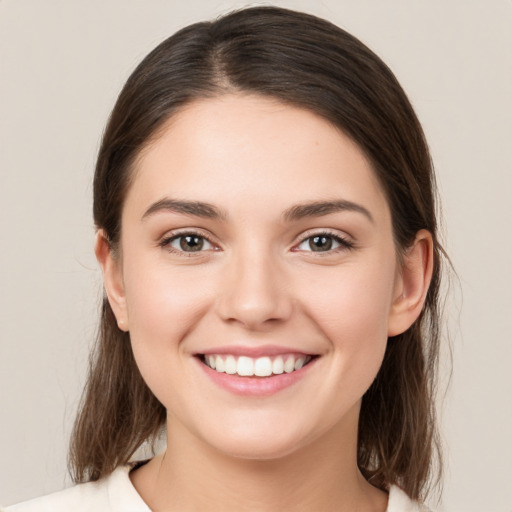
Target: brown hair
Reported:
point(307, 62)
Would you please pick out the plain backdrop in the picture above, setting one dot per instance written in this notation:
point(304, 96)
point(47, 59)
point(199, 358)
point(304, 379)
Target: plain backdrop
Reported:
point(62, 64)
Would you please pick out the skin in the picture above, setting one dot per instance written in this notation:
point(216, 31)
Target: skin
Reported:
point(258, 282)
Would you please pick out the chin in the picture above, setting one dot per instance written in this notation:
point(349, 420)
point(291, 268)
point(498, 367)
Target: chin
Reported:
point(258, 451)
point(257, 444)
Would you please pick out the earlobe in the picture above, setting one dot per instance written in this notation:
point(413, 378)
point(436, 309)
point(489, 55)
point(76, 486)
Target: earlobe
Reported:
point(412, 284)
point(112, 278)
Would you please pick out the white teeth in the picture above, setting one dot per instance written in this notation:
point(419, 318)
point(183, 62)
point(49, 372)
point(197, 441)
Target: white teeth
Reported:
point(299, 363)
point(219, 364)
point(261, 367)
point(278, 365)
point(289, 364)
point(245, 366)
point(230, 366)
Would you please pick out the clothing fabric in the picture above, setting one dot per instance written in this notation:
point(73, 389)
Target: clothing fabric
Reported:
point(117, 494)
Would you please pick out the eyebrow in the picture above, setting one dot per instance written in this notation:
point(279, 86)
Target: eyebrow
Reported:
point(196, 208)
point(296, 212)
point(319, 208)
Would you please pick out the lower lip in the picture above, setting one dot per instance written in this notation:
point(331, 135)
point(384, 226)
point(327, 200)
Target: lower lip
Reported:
point(255, 386)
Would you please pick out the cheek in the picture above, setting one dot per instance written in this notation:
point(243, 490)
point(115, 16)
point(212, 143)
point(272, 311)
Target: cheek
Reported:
point(352, 310)
point(163, 307)
point(353, 300)
point(163, 301)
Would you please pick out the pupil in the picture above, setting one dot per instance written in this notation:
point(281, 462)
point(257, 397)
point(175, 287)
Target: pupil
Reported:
point(191, 243)
point(321, 243)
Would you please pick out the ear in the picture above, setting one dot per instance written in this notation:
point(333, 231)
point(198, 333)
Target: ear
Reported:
point(111, 267)
point(412, 283)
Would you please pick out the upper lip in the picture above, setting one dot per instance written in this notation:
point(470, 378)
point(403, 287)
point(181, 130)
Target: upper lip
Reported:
point(255, 352)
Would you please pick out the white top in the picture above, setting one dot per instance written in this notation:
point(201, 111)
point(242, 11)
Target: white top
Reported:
point(117, 494)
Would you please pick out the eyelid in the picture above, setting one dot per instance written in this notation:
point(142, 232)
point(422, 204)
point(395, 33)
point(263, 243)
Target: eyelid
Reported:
point(346, 242)
point(169, 236)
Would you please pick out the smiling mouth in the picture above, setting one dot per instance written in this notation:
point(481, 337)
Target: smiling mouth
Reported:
point(266, 366)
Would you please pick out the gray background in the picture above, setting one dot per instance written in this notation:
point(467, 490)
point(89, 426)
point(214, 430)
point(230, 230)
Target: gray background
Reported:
point(62, 64)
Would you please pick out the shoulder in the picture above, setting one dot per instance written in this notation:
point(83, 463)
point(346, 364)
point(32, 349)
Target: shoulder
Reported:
point(400, 502)
point(114, 493)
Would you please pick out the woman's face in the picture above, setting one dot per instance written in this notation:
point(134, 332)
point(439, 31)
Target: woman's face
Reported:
point(256, 238)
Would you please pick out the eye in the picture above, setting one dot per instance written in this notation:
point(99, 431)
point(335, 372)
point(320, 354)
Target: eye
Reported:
point(187, 242)
point(324, 242)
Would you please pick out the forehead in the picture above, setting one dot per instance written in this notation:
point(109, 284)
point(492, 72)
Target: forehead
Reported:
point(256, 148)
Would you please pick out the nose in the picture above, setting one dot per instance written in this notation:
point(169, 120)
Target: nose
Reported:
point(254, 292)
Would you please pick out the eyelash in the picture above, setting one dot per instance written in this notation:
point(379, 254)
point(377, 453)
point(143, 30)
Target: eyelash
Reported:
point(165, 242)
point(345, 244)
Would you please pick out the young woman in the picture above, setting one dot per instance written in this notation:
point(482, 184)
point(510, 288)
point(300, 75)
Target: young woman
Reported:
point(265, 210)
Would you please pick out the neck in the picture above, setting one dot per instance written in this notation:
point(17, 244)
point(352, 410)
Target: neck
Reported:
point(191, 475)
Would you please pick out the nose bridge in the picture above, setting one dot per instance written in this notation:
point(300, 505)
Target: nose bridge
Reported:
point(255, 290)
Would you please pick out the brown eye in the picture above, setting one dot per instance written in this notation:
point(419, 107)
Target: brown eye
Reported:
point(324, 242)
point(320, 243)
point(189, 242)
